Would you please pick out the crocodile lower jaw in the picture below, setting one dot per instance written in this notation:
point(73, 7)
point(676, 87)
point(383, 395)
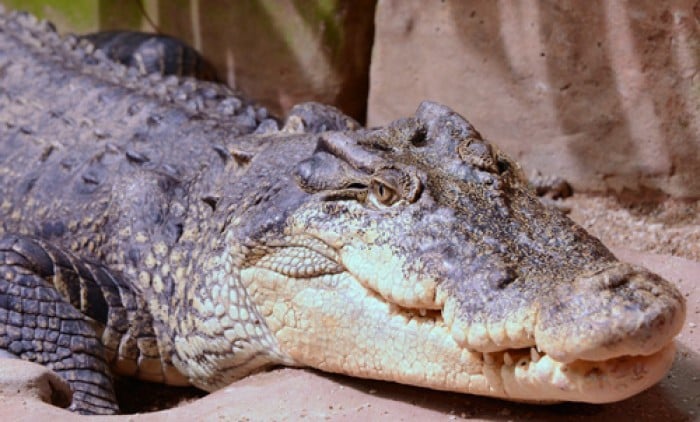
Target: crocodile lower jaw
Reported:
point(529, 376)
point(521, 375)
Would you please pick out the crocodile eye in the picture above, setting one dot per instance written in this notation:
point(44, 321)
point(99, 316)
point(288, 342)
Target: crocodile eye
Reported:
point(384, 194)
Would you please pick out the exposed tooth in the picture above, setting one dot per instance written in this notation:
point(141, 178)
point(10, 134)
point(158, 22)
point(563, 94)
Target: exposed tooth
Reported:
point(448, 313)
point(507, 359)
point(489, 359)
point(422, 312)
point(534, 356)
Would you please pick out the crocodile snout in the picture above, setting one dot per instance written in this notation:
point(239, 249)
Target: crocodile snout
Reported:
point(617, 311)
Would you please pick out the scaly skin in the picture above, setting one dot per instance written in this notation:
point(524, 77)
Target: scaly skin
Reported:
point(164, 229)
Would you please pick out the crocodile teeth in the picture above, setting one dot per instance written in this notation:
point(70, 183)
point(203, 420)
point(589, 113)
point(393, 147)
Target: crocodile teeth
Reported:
point(507, 359)
point(534, 355)
point(489, 359)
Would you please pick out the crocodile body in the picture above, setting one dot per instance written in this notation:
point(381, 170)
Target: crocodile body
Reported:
point(167, 229)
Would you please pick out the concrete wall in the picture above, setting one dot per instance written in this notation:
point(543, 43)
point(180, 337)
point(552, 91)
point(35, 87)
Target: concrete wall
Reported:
point(605, 93)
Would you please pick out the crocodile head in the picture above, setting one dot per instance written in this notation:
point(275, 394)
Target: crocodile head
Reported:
point(417, 254)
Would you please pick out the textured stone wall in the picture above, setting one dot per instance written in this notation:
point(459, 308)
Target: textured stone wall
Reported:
point(282, 52)
point(605, 93)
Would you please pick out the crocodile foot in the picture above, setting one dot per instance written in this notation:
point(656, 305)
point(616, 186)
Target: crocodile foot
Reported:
point(37, 324)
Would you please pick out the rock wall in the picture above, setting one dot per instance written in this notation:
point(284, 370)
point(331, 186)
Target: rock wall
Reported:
point(605, 93)
point(281, 53)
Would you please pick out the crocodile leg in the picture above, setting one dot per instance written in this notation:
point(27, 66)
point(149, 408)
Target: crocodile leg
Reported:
point(39, 323)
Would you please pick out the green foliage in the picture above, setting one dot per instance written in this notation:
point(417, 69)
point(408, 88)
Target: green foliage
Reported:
point(71, 15)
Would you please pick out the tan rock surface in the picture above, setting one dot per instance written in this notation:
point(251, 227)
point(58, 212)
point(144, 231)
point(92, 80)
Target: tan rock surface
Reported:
point(292, 394)
point(284, 52)
point(605, 94)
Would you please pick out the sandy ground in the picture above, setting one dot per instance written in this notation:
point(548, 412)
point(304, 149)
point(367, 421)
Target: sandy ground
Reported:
point(670, 227)
point(294, 394)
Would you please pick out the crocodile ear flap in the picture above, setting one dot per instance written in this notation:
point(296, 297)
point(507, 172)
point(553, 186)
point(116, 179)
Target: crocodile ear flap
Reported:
point(335, 165)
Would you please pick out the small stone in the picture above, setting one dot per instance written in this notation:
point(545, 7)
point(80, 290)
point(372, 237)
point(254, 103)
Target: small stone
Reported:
point(100, 133)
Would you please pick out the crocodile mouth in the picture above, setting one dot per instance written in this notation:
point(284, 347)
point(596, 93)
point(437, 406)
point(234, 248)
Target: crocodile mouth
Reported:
point(529, 375)
point(340, 321)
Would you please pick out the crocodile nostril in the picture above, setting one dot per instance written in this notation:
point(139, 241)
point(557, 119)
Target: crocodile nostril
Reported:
point(615, 279)
point(609, 278)
point(501, 277)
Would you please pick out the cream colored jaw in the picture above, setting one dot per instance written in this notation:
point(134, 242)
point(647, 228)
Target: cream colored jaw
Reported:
point(584, 381)
point(334, 323)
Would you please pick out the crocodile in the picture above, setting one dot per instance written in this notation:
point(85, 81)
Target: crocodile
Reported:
point(168, 229)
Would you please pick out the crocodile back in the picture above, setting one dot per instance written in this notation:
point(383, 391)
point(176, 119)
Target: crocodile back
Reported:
point(82, 135)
